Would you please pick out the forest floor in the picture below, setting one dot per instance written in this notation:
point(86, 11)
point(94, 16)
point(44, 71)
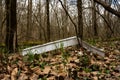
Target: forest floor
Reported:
point(64, 64)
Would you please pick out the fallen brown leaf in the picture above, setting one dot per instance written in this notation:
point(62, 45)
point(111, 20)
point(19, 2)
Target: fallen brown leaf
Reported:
point(6, 77)
point(21, 64)
point(94, 73)
point(95, 78)
point(23, 77)
point(14, 74)
point(51, 78)
point(47, 70)
point(34, 77)
point(53, 73)
point(36, 70)
point(9, 69)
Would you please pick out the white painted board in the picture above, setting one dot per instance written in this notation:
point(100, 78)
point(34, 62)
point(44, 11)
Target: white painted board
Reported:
point(51, 46)
point(57, 44)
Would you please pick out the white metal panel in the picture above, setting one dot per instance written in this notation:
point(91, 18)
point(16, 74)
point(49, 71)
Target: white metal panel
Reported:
point(51, 46)
point(93, 49)
point(57, 44)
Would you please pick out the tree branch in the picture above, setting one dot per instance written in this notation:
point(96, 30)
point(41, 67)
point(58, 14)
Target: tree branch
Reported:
point(108, 8)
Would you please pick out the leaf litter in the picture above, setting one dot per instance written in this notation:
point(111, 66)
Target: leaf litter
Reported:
point(67, 64)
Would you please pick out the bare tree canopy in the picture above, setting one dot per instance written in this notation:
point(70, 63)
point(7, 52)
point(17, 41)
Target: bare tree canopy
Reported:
point(32, 22)
point(108, 8)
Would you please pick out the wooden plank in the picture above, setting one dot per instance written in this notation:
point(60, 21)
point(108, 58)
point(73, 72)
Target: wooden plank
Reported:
point(57, 44)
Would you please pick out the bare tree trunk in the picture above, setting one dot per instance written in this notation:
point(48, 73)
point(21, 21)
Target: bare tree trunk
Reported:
point(29, 20)
point(48, 20)
point(95, 33)
point(108, 33)
point(75, 26)
point(1, 21)
point(65, 20)
point(80, 20)
point(107, 16)
point(42, 32)
point(40, 24)
point(57, 20)
point(11, 26)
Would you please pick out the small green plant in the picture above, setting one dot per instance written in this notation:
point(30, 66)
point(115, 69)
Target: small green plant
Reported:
point(84, 60)
point(29, 57)
point(19, 71)
point(92, 41)
point(15, 61)
point(44, 55)
point(87, 69)
point(65, 54)
point(42, 65)
point(95, 67)
point(107, 71)
point(44, 78)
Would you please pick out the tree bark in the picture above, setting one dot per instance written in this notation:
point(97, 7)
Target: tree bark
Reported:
point(95, 33)
point(29, 20)
point(107, 16)
point(11, 26)
point(0, 20)
point(48, 20)
point(40, 23)
point(75, 26)
point(80, 20)
point(65, 20)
